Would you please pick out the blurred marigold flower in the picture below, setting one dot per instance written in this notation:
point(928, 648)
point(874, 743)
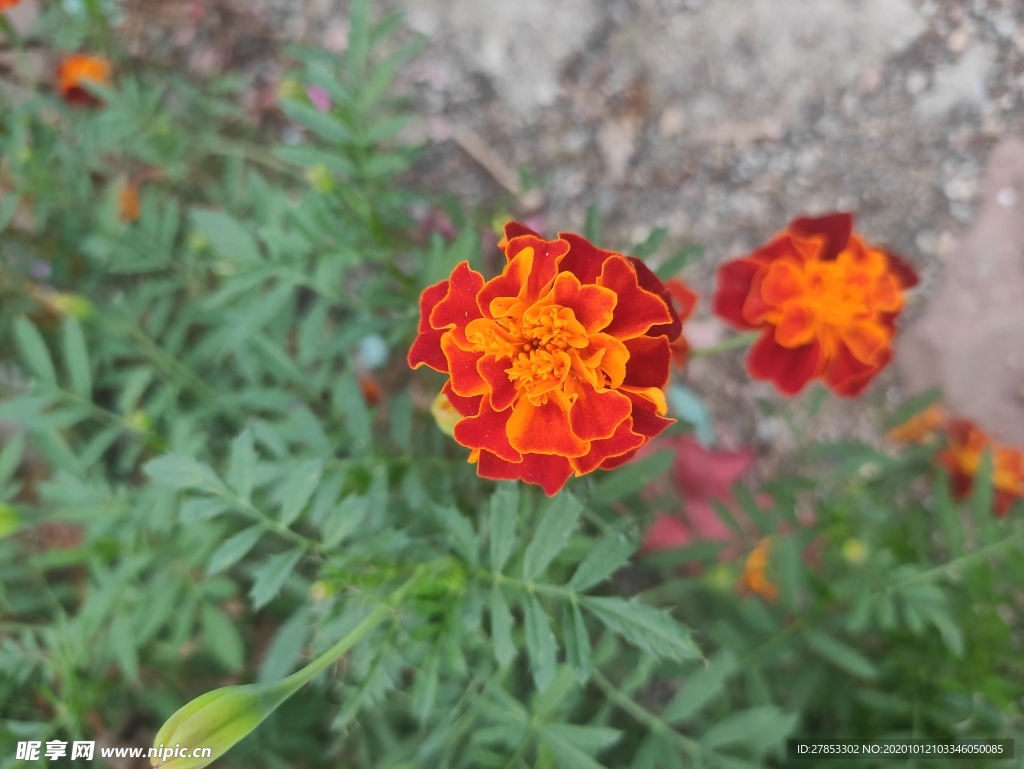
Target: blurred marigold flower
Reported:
point(684, 300)
point(825, 300)
point(370, 388)
point(921, 427)
point(962, 459)
point(754, 577)
point(128, 207)
point(558, 365)
point(77, 70)
point(5, 4)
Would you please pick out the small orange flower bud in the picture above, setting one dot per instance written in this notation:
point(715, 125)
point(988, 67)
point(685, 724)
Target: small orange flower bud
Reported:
point(920, 427)
point(128, 203)
point(962, 459)
point(754, 577)
point(76, 70)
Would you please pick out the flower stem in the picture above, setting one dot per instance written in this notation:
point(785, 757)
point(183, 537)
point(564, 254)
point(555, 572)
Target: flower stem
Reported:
point(735, 342)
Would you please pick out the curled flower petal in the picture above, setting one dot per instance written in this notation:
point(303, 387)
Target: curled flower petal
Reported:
point(557, 365)
point(826, 302)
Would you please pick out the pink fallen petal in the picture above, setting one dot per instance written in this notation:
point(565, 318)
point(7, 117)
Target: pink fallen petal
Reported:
point(320, 98)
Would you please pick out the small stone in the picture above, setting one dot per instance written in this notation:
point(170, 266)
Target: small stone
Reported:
point(959, 40)
point(672, 122)
point(1007, 197)
point(916, 82)
point(870, 80)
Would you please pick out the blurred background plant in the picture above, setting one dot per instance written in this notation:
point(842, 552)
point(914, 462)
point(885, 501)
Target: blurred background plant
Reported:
point(216, 464)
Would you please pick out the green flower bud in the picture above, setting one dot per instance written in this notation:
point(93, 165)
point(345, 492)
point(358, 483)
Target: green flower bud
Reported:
point(320, 178)
point(219, 719)
point(10, 521)
point(72, 304)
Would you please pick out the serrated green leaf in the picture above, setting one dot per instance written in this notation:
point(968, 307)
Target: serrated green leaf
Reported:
point(10, 458)
point(271, 576)
point(203, 509)
point(504, 517)
point(226, 235)
point(577, 642)
point(34, 350)
point(424, 690)
point(839, 654)
point(610, 555)
point(501, 627)
point(644, 626)
point(222, 637)
point(122, 642)
point(701, 688)
point(759, 726)
point(461, 535)
point(183, 472)
point(561, 515)
point(631, 477)
point(76, 357)
point(298, 489)
point(568, 754)
point(540, 643)
point(344, 519)
point(322, 124)
point(234, 549)
point(286, 649)
point(242, 469)
point(590, 739)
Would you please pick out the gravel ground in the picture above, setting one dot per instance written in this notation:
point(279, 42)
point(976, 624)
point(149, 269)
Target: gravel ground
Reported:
point(717, 119)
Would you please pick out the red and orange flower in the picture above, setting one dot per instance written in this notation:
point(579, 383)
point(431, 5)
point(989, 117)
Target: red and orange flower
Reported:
point(962, 459)
point(558, 365)
point(77, 70)
point(826, 303)
point(5, 4)
point(684, 301)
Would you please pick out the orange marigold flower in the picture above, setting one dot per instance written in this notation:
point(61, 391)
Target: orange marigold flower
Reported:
point(5, 4)
point(558, 365)
point(962, 459)
point(825, 300)
point(78, 69)
point(128, 207)
point(683, 301)
point(755, 569)
point(920, 427)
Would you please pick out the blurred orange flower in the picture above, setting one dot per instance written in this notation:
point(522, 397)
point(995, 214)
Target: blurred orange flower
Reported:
point(683, 301)
point(921, 427)
point(754, 577)
point(558, 365)
point(5, 4)
point(128, 203)
point(78, 69)
point(962, 459)
point(826, 302)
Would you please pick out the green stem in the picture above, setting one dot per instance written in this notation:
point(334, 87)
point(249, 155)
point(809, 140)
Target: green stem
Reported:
point(356, 634)
point(736, 342)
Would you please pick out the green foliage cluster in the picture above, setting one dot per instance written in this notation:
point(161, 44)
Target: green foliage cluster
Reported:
point(237, 507)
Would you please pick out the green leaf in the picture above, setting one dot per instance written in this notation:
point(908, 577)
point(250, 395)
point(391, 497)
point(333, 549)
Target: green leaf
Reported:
point(679, 261)
point(577, 641)
point(561, 515)
point(424, 690)
point(344, 519)
point(701, 688)
point(298, 489)
point(461, 535)
point(122, 642)
point(183, 472)
point(358, 39)
point(271, 576)
point(234, 549)
point(348, 402)
point(839, 654)
point(981, 490)
point(242, 469)
point(322, 124)
point(911, 408)
point(610, 555)
point(650, 245)
point(590, 739)
point(226, 235)
point(568, 754)
point(504, 517)
point(77, 358)
point(203, 509)
point(540, 643)
point(10, 458)
point(644, 626)
point(222, 637)
point(34, 350)
point(286, 648)
point(631, 478)
point(592, 225)
point(8, 208)
point(501, 628)
point(760, 726)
